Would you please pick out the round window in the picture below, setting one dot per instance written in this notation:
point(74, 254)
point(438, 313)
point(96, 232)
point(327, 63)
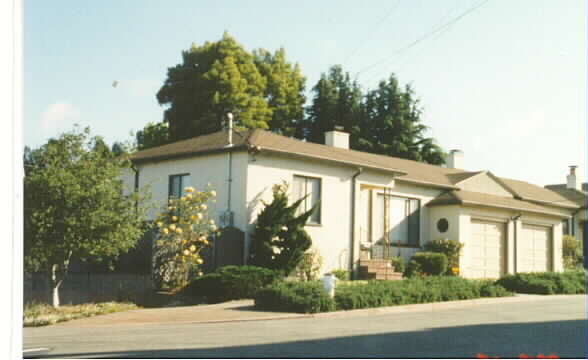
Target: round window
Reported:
point(442, 225)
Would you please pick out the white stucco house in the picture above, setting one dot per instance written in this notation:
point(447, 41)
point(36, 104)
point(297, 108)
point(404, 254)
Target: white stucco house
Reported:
point(370, 205)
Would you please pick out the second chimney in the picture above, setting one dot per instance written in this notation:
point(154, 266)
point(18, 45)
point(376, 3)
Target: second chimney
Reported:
point(572, 180)
point(455, 159)
point(337, 138)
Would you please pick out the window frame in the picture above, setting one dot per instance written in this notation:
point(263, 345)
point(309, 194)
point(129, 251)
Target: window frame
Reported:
point(319, 210)
point(182, 185)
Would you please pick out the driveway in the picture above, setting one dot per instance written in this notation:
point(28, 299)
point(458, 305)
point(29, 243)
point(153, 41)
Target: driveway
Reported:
point(532, 326)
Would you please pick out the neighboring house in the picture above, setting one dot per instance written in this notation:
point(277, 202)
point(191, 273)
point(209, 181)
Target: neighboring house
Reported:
point(573, 191)
point(371, 206)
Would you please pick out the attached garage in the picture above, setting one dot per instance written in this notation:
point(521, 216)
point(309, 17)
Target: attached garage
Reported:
point(487, 249)
point(535, 249)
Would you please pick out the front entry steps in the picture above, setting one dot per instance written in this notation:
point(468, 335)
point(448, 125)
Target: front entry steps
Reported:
point(377, 269)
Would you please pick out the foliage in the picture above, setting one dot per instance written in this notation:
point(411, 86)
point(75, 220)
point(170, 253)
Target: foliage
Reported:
point(279, 239)
point(426, 263)
point(152, 135)
point(572, 253)
point(451, 249)
point(569, 282)
point(185, 228)
point(341, 274)
point(42, 314)
point(386, 120)
point(300, 297)
point(262, 90)
point(75, 205)
point(309, 268)
point(413, 291)
point(398, 263)
point(230, 283)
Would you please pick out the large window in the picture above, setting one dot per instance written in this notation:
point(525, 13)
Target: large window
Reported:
point(311, 188)
point(177, 184)
point(403, 220)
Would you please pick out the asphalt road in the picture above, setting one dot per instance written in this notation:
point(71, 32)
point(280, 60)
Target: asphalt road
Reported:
point(549, 326)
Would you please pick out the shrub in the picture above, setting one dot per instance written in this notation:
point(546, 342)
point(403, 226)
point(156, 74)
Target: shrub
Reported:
point(300, 297)
point(414, 291)
point(309, 268)
point(426, 263)
point(341, 274)
point(230, 283)
point(570, 282)
point(571, 252)
point(450, 248)
point(398, 263)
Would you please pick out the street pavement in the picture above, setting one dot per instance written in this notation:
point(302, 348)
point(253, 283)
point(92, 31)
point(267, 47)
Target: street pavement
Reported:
point(547, 325)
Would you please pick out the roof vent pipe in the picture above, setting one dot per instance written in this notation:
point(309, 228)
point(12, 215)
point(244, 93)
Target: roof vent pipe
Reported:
point(230, 118)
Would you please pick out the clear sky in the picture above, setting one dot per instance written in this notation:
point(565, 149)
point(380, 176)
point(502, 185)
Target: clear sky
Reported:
point(506, 83)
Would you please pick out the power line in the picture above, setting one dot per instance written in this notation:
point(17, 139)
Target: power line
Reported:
point(424, 37)
point(365, 40)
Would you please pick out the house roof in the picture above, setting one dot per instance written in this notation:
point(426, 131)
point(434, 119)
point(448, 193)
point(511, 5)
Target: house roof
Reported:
point(463, 197)
point(405, 170)
point(580, 197)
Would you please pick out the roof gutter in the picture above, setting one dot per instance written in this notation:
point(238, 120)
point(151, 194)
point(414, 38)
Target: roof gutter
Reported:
point(190, 154)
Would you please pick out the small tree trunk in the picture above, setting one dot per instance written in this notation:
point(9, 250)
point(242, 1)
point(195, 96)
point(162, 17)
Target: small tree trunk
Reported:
point(54, 283)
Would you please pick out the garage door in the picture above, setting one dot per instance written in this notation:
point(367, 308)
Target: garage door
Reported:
point(535, 249)
point(487, 249)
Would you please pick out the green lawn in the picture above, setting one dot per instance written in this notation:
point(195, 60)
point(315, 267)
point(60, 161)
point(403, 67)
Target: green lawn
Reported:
point(43, 314)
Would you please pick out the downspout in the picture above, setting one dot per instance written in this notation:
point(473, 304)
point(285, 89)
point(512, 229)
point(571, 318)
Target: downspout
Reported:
point(230, 179)
point(353, 213)
point(136, 185)
point(516, 231)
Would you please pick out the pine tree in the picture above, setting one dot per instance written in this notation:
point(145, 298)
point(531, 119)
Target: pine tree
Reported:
point(279, 240)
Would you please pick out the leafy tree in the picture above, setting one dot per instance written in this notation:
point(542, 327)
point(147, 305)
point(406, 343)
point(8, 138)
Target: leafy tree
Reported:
point(279, 239)
point(153, 135)
point(74, 205)
point(336, 102)
point(391, 125)
point(222, 76)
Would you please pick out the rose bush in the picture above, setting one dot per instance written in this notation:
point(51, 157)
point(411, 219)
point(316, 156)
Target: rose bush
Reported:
point(185, 229)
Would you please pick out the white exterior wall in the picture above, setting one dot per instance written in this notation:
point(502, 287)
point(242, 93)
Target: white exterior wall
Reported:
point(213, 169)
point(333, 236)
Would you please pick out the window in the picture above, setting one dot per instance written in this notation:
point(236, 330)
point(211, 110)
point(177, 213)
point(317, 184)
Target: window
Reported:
point(403, 220)
point(565, 226)
point(311, 188)
point(177, 184)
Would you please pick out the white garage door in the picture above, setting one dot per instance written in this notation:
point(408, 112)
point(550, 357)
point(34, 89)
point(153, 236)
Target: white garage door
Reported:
point(535, 249)
point(487, 248)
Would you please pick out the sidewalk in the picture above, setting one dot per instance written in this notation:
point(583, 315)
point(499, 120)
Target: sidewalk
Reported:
point(243, 310)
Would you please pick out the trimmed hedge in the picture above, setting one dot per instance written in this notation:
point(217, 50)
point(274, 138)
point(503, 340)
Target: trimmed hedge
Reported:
point(414, 291)
point(300, 297)
point(426, 263)
point(451, 249)
point(230, 283)
point(547, 283)
point(341, 274)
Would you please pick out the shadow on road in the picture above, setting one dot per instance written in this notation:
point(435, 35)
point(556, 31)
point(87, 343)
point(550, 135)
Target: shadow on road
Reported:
point(566, 339)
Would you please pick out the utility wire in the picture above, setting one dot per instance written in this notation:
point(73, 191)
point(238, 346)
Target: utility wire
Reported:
point(368, 38)
point(424, 37)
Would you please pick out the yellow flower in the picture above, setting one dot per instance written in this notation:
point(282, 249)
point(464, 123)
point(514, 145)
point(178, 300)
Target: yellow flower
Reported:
point(186, 252)
point(172, 227)
point(211, 222)
point(199, 216)
point(183, 198)
point(189, 196)
point(200, 273)
point(205, 242)
point(192, 248)
point(159, 224)
point(213, 228)
point(165, 230)
point(184, 241)
point(174, 218)
point(179, 230)
point(189, 189)
point(199, 261)
point(203, 207)
point(212, 193)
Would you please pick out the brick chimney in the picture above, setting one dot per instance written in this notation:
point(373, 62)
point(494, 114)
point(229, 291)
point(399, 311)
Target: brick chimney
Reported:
point(572, 180)
point(337, 138)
